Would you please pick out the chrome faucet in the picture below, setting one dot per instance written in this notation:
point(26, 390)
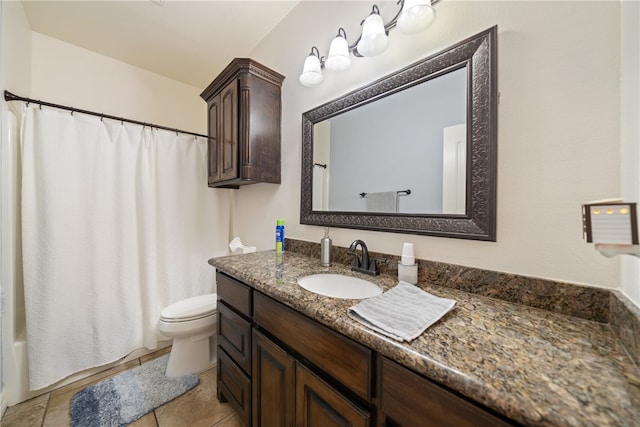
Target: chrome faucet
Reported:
point(363, 263)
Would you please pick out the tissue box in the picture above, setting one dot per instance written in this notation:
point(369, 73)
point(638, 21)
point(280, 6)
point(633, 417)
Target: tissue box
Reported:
point(244, 250)
point(237, 247)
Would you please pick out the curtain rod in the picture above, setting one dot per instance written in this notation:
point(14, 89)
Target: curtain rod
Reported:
point(8, 96)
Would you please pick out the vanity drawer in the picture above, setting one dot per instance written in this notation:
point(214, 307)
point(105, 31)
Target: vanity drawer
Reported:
point(234, 293)
point(234, 386)
point(426, 401)
point(234, 336)
point(343, 359)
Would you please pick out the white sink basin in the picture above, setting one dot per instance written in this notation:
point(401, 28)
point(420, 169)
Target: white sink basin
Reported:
point(339, 286)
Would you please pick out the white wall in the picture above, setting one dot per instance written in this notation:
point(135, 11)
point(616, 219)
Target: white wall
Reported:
point(558, 128)
point(69, 75)
point(15, 35)
point(630, 129)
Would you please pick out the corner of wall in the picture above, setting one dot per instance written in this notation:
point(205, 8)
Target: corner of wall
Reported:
point(630, 131)
point(15, 49)
point(624, 319)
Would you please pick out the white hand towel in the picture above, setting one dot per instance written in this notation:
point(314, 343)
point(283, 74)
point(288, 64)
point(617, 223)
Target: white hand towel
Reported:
point(382, 202)
point(402, 313)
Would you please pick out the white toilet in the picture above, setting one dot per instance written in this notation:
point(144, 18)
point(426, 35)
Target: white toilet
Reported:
point(192, 325)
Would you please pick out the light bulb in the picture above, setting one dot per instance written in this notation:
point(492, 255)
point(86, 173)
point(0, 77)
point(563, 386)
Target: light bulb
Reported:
point(312, 70)
point(416, 16)
point(338, 59)
point(374, 39)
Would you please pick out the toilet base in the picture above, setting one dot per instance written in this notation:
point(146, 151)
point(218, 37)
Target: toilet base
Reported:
point(189, 357)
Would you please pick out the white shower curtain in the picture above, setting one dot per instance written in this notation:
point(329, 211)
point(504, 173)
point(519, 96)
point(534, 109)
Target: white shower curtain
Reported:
point(117, 223)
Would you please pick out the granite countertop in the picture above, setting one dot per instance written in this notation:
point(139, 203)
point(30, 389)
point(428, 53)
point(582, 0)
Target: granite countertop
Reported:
point(533, 366)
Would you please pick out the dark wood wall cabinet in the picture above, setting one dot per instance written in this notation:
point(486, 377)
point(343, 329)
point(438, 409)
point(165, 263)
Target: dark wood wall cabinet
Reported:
point(278, 367)
point(244, 110)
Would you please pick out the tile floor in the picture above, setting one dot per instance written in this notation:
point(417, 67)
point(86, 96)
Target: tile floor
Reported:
point(199, 407)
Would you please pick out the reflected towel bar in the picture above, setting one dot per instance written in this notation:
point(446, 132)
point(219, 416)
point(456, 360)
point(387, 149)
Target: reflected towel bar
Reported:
point(399, 193)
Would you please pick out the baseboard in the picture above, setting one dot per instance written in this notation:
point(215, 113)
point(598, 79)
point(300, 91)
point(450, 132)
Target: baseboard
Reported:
point(3, 404)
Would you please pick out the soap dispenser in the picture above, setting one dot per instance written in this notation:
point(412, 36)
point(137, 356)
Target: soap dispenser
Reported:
point(325, 249)
point(407, 267)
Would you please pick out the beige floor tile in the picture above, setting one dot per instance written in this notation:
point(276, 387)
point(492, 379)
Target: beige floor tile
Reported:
point(197, 408)
point(26, 414)
point(148, 420)
point(232, 420)
point(58, 411)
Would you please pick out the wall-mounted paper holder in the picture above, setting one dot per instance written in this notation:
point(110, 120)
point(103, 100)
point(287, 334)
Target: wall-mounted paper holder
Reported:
point(612, 225)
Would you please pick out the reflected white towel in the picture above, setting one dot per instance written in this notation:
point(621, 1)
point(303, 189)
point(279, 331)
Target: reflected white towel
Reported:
point(402, 313)
point(382, 202)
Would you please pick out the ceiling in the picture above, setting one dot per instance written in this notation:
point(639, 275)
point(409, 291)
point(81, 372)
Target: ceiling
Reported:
point(188, 41)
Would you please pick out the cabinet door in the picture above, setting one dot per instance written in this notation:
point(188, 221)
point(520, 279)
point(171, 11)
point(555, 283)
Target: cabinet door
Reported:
point(320, 405)
point(234, 386)
point(213, 145)
point(234, 336)
point(273, 384)
point(228, 132)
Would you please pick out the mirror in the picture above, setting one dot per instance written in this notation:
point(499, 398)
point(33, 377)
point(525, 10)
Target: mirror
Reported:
point(413, 152)
point(420, 129)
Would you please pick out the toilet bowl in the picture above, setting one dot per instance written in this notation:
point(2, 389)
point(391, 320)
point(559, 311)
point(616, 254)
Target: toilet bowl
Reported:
point(192, 325)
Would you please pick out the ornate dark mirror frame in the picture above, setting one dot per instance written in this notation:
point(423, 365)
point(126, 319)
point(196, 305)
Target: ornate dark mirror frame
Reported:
point(478, 53)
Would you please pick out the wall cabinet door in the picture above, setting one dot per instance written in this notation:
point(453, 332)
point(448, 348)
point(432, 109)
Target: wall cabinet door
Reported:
point(273, 384)
point(320, 405)
point(213, 145)
point(228, 131)
point(223, 135)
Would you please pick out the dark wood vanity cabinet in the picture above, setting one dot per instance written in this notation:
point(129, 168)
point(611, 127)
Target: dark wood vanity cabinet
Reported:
point(278, 367)
point(287, 393)
point(244, 111)
point(314, 375)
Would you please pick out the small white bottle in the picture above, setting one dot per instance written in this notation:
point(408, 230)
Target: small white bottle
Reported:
point(325, 249)
point(407, 267)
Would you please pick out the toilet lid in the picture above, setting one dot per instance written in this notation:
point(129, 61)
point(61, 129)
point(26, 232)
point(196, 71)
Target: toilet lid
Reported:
point(200, 306)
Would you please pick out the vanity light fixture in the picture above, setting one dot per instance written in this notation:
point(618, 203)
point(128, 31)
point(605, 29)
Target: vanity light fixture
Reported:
point(413, 16)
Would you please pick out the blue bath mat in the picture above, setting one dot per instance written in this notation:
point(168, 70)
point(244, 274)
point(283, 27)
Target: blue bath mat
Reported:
point(122, 399)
